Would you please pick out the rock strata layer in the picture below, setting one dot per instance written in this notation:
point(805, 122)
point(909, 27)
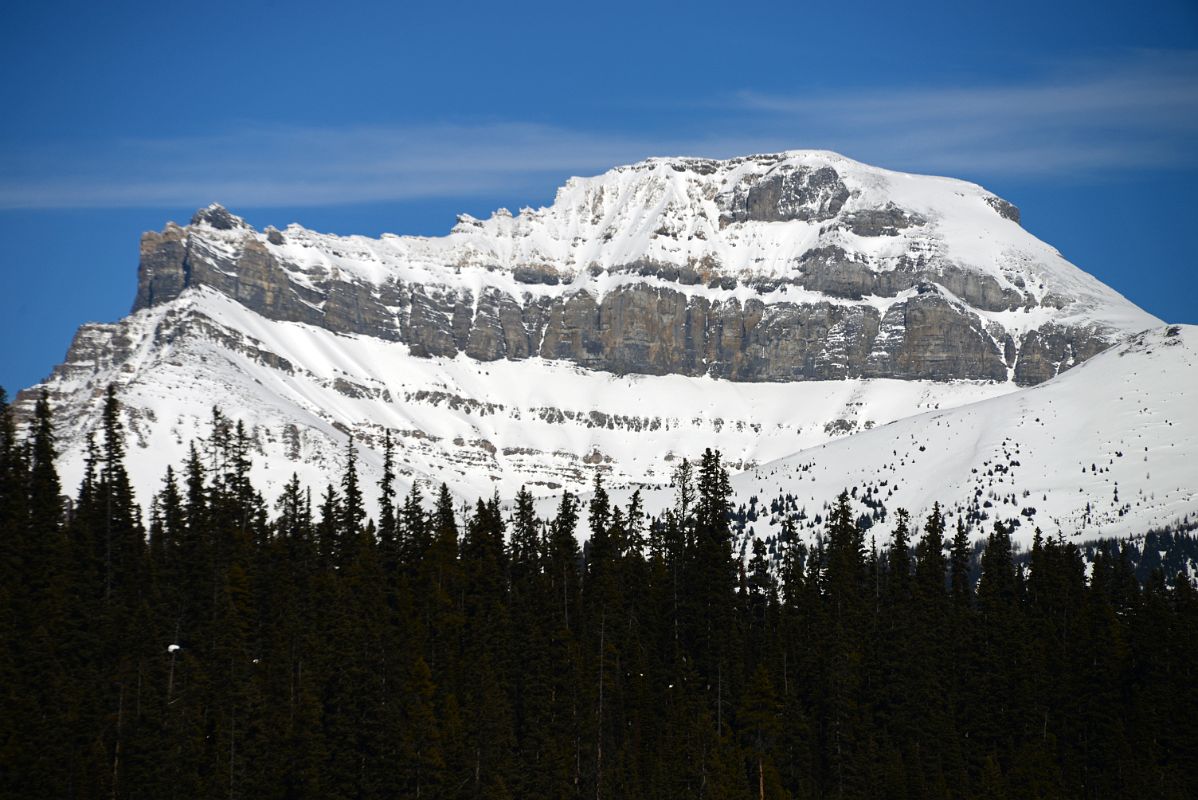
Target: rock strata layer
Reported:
point(784, 267)
point(655, 327)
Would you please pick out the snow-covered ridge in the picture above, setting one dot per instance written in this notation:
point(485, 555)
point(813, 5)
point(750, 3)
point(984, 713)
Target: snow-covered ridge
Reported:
point(692, 213)
point(794, 266)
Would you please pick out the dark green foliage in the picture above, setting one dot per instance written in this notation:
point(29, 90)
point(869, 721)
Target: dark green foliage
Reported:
point(478, 652)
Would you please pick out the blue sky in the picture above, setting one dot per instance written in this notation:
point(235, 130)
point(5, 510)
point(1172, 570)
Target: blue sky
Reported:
point(370, 117)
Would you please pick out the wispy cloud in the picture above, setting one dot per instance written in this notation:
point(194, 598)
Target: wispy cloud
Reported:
point(1131, 113)
point(1134, 112)
point(280, 165)
point(291, 166)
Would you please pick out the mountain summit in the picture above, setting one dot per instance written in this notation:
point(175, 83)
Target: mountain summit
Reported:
point(793, 266)
point(760, 305)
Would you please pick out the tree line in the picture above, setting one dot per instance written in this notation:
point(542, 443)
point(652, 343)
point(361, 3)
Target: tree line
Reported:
point(228, 647)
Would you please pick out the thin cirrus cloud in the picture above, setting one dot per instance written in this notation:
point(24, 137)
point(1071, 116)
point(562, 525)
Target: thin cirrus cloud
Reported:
point(1138, 112)
point(279, 165)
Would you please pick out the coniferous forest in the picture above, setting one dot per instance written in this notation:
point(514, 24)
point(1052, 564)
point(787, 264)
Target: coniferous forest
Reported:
point(234, 646)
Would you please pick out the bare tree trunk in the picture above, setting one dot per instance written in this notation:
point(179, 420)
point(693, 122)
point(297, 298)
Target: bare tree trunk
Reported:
point(719, 699)
point(232, 748)
point(599, 734)
point(108, 547)
point(116, 755)
point(565, 599)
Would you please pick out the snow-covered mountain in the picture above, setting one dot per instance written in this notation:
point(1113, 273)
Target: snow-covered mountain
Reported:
point(762, 305)
point(797, 266)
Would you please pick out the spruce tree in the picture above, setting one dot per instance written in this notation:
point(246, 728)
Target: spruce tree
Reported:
point(959, 563)
point(388, 527)
point(846, 744)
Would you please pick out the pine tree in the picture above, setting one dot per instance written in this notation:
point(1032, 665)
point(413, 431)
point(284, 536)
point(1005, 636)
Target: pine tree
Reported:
point(388, 527)
point(760, 720)
point(438, 590)
point(562, 560)
point(932, 737)
point(711, 585)
point(241, 654)
point(353, 508)
point(899, 558)
point(525, 540)
point(328, 529)
point(845, 582)
point(414, 533)
point(1000, 694)
point(122, 537)
point(421, 758)
point(959, 565)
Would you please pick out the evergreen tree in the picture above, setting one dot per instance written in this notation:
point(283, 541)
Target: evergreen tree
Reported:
point(353, 508)
point(238, 653)
point(959, 565)
point(414, 532)
point(760, 720)
point(846, 747)
point(388, 527)
point(899, 558)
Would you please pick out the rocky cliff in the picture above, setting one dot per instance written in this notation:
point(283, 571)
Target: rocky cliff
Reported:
point(800, 266)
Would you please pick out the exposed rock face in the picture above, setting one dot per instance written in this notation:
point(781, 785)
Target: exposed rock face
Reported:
point(163, 270)
point(798, 266)
point(651, 329)
point(787, 194)
point(1004, 208)
point(636, 328)
point(886, 221)
point(218, 217)
point(833, 271)
point(927, 337)
point(174, 260)
point(96, 346)
point(1052, 349)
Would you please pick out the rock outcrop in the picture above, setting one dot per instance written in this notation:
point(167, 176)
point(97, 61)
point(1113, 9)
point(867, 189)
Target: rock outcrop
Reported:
point(788, 193)
point(654, 269)
point(635, 328)
point(929, 332)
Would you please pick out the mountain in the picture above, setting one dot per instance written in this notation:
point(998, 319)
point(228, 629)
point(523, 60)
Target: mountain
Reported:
point(762, 305)
point(796, 266)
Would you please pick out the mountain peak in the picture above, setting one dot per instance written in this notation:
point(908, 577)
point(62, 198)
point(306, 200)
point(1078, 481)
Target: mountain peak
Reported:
point(217, 216)
point(840, 256)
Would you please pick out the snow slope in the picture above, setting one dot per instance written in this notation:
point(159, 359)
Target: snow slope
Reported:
point(1109, 448)
point(479, 426)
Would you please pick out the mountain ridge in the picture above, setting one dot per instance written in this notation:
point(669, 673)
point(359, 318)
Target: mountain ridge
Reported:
point(763, 305)
point(768, 268)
